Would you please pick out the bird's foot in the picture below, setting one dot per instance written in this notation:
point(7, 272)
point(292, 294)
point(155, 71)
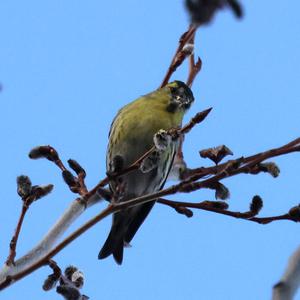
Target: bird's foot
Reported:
point(162, 140)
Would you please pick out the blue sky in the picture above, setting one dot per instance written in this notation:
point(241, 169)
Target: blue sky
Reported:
point(68, 66)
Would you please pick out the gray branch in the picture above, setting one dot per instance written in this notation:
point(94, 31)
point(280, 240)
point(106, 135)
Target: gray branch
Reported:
point(71, 214)
point(289, 283)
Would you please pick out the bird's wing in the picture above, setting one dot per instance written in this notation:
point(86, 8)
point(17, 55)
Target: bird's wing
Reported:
point(142, 211)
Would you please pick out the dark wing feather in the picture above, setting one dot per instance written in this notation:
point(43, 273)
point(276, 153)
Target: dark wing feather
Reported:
point(145, 209)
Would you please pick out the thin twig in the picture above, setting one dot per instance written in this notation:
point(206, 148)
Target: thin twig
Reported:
point(179, 55)
point(190, 185)
point(194, 67)
point(194, 70)
point(198, 118)
point(28, 194)
point(89, 196)
point(201, 172)
point(45, 245)
point(208, 206)
point(10, 279)
point(75, 184)
point(13, 243)
point(183, 187)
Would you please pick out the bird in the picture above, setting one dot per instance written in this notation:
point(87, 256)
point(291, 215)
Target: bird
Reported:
point(137, 127)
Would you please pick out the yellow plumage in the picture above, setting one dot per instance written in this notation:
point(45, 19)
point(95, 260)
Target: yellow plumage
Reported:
point(131, 135)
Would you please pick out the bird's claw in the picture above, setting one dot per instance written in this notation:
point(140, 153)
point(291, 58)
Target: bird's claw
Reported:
point(162, 140)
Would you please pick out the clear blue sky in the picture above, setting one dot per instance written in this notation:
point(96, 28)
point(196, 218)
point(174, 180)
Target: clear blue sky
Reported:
point(68, 66)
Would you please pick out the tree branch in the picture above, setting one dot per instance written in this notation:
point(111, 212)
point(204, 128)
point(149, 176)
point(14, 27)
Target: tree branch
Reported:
point(194, 67)
point(221, 208)
point(87, 199)
point(180, 54)
point(198, 173)
point(287, 287)
point(43, 252)
point(28, 194)
point(13, 243)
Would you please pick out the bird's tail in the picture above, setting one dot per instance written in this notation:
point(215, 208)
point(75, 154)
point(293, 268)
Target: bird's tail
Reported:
point(114, 243)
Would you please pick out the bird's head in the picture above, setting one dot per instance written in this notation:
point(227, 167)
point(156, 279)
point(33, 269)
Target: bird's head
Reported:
point(181, 97)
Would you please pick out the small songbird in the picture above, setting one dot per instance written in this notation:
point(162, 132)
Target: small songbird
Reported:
point(136, 128)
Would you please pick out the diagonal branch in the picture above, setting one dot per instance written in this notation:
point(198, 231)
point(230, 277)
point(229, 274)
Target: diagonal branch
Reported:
point(39, 256)
point(198, 173)
point(79, 205)
point(41, 250)
point(28, 194)
point(220, 208)
point(194, 67)
point(13, 243)
point(180, 55)
point(287, 287)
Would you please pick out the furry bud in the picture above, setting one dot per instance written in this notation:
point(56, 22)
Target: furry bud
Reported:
point(47, 152)
point(23, 186)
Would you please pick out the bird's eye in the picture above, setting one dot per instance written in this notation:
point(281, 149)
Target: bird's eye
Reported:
point(172, 89)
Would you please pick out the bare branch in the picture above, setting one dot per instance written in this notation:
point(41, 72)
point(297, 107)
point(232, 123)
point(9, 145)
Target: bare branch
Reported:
point(180, 55)
point(42, 253)
point(221, 208)
point(75, 184)
point(28, 194)
point(41, 250)
point(198, 173)
point(286, 288)
point(194, 67)
point(13, 243)
point(88, 198)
